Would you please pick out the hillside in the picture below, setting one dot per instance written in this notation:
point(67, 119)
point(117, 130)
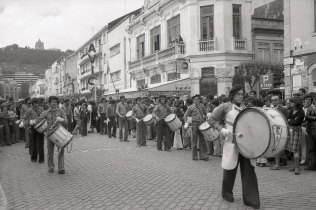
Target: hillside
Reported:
point(14, 58)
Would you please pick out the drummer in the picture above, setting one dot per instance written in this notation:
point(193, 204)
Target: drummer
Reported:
point(52, 115)
point(197, 112)
point(139, 112)
point(231, 157)
point(160, 112)
point(36, 139)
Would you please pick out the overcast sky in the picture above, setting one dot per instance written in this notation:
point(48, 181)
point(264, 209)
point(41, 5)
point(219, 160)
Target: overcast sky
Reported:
point(63, 24)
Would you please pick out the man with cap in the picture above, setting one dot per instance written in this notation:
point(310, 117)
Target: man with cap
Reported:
point(121, 110)
point(52, 115)
point(231, 157)
point(5, 123)
point(36, 139)
point(160, 112)
point(197, 112)
point(25, 107)
point(310, 118)
point(102, 115)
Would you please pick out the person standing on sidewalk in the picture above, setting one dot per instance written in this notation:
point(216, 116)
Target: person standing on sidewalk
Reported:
point(84, 119)
point(77, 118)
point(311, 131)
point(52, 115)
point(68, 111)
point(110, 114)
point(25, 107)
point(121, 110)
point(160, 112)
point(102, 115)
point(231, 157)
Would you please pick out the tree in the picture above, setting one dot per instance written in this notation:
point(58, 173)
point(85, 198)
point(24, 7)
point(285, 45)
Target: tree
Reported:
point(252, 70)
point(25, 90)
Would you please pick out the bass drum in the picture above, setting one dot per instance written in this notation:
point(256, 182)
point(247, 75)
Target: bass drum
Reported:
point(260, 132)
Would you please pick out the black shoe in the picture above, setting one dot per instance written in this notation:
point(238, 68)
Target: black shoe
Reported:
point(33, 160)
point(159, 149)
point(228, 198)
point(127, 140)
point(251, 205)
point(41, 161)
point(62, 172)
point(51, 170)
point(310, 168)
point(283, 163)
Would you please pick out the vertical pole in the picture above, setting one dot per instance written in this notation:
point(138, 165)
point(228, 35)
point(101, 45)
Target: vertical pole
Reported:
point(95, 93)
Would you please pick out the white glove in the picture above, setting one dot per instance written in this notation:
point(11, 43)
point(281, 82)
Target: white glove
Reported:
point(59, 119)
point(186, 125)
point(137, 120)
point(32, 122)
point(225, 132)
point(208, 115)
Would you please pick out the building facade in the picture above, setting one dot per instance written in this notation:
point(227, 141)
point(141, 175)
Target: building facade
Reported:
point(57, 77)
point(21, 77)
point(299, 45)
point(192, 40)
point(49, 83)
point(9, 89)
point(71, 84)
point(37, 89)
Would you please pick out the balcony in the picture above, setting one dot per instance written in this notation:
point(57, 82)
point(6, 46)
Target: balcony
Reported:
point(239, 44)
point(173, 52)
point(207, 45)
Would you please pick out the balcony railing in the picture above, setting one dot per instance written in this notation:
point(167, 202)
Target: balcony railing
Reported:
point(239, 44)
point(207, 45)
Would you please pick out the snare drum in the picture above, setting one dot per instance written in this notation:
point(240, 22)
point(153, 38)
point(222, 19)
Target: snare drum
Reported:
point(128, 115)
point(41, 126)
point(173, 122)
point(59, 136)
point(260, 132)
point(209, 133)
point(148, 119)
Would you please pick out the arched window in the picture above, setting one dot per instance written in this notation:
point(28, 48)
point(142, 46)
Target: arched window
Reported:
point(314, 77)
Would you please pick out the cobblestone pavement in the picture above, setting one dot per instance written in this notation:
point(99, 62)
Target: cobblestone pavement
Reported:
point(104, 173)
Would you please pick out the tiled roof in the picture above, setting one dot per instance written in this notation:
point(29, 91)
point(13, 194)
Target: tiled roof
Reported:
point(118, 20)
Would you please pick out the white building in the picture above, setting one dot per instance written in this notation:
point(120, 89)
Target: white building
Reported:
point(84, 64)
point(216, 38)
point(37, 89)
point(49, 83)
point(117, 51)
point(57, 74)
point(71, 84)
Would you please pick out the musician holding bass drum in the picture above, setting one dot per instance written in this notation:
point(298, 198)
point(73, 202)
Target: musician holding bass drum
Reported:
point(52, 115)
point(139, 112)
point(231, 157)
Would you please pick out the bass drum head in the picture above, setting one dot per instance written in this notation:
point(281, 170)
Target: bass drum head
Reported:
point(170, 117)
point(129, 113)
point(204, 126)
point(252, 133)
point(147, 117)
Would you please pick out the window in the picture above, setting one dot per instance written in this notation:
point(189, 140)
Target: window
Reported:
point(155, 79)
point(141, 46)
point(263, 52)
point(114, 50)
point(140, 82)
point(207, 22)
point(237, 21)
point(104, 58)
point(277, 53)
point(116, 76)
point(173, 29)
point(155, 39)
point(173, 76)
point(208, 83)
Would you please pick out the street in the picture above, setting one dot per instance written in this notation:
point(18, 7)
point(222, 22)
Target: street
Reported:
point(103, 173)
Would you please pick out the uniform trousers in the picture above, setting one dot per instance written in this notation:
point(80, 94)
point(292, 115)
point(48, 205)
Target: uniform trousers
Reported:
point(197, 137)
point(112, 127)
point(163, 132)
point(103, 125)
point(311, 139)
point(36, 145)
point(249, 182)
point(50, 156)
point(141, 133)
point(123, 124)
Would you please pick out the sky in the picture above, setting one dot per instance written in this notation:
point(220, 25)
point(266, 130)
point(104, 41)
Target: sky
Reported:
point(62, 24)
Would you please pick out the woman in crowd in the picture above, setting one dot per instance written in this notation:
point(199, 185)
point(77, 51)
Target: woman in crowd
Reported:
point(84, 118)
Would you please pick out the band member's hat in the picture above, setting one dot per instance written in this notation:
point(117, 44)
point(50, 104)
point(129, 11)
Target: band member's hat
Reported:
point(35, 100)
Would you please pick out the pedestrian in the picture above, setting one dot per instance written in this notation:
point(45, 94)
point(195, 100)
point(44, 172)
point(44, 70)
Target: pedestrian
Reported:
point(54, 115)
point(69, 113)
point(102, 115)
point(111, 121)
point(77, 118)
point(84, 119)
point(121, 111)
point(296, 118)
point(231, 158)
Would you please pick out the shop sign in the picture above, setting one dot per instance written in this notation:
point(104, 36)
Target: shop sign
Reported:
point(266, 82)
